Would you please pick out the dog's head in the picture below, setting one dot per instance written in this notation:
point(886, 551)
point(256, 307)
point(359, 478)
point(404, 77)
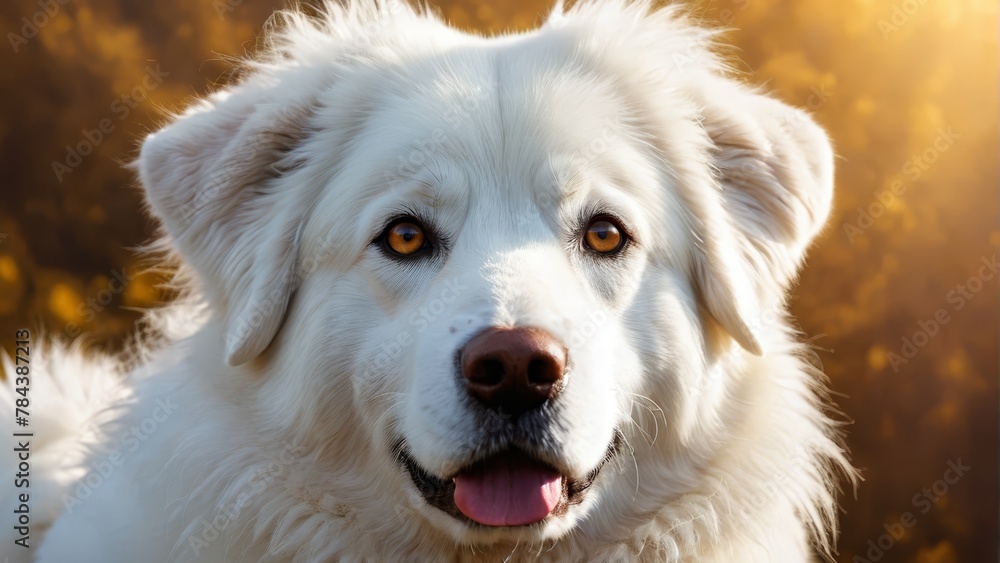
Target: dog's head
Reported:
point(479, 274)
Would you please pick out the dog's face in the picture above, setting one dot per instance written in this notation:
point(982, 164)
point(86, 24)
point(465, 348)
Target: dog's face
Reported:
point(501, 287)
point(496, 282)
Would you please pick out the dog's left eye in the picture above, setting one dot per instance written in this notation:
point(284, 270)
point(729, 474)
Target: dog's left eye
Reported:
point(405, 237)
point(604, 236)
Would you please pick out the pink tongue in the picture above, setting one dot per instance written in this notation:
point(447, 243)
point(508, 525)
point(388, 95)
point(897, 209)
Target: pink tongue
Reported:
point(508, 492)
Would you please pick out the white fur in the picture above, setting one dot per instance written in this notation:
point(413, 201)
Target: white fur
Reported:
point(303, 354)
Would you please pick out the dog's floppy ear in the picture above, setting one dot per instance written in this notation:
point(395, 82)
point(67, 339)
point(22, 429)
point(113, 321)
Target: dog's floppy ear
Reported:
point(209, 176)
point(775, 167)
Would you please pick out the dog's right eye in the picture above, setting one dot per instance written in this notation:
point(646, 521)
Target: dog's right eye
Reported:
point(604, 236)
point(405, 237)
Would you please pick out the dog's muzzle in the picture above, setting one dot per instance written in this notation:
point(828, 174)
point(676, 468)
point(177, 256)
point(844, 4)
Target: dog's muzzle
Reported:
point(511, 374)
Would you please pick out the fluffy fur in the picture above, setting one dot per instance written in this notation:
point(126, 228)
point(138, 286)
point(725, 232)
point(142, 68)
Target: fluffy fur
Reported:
point(267, 421)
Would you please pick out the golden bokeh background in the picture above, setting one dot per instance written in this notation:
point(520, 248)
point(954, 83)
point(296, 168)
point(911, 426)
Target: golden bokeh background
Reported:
point(894, 294)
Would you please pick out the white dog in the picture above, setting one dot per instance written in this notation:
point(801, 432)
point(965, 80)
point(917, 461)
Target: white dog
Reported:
point(462, 298)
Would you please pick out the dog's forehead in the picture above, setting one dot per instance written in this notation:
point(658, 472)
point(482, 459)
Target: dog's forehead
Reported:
point(501, 131)
point(519, 128)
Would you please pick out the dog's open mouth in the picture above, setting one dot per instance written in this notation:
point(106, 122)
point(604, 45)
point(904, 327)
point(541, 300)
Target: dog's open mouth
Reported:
point(508, 488)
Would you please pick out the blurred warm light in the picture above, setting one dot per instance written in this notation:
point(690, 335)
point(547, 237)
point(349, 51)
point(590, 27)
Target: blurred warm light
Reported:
point(907, 89)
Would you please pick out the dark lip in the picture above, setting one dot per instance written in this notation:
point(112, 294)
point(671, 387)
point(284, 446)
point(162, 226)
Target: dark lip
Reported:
point(440, 493)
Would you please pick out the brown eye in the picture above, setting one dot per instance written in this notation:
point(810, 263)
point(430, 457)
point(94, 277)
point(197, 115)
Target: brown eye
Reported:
point(603, 237)
point(405, 238)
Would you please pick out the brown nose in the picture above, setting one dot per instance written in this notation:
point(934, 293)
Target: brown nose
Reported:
point(513, 370)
